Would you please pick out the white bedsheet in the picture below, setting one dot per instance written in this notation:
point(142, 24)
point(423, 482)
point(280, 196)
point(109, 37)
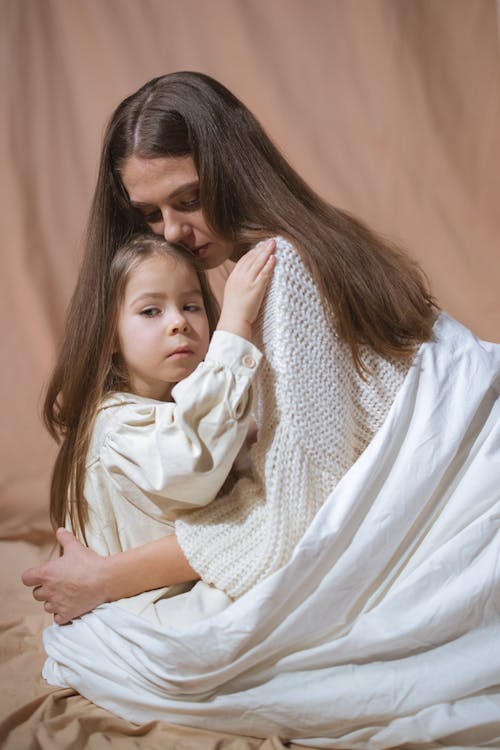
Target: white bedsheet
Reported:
point(383, 629)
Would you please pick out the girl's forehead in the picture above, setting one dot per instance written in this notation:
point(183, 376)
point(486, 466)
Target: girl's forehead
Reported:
point(162, 272)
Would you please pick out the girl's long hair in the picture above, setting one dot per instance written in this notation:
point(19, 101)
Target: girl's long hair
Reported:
point(88, 367)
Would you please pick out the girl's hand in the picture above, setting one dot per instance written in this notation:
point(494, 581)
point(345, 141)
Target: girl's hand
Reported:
point(71, 585)
point(245, 289)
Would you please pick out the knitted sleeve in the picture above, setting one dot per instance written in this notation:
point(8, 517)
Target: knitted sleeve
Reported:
point(315, 417)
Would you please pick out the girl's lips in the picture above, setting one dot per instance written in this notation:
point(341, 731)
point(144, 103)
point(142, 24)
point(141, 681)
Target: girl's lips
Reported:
point(183, 351)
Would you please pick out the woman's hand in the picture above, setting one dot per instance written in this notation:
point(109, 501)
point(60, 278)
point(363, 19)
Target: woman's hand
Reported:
point(80, 579)
point(71, 585)
point(245, 289)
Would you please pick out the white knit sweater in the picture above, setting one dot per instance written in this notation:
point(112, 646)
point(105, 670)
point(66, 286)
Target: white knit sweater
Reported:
point(315, 417)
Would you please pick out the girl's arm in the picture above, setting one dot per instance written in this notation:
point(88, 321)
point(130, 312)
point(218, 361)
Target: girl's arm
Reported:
point(183, 451)
point(80, 579)
point(166, 458)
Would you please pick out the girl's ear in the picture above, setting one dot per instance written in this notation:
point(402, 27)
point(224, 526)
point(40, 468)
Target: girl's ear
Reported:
point(116, 376)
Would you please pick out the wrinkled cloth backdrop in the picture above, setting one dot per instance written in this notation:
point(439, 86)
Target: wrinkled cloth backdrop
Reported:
point(389, 108)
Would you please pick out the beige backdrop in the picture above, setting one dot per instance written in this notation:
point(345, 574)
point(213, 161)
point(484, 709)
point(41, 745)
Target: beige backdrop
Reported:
point(390, 108)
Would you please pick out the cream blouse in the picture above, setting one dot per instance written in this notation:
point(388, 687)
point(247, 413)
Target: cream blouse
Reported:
point(150, 459)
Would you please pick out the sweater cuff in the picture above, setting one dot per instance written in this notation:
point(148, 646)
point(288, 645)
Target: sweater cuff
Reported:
point(235, 563)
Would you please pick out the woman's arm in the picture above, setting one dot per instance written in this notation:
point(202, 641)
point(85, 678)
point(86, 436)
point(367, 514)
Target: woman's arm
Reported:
point(80, 579)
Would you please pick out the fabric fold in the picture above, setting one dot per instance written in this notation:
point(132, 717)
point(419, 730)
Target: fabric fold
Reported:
point(383, 628)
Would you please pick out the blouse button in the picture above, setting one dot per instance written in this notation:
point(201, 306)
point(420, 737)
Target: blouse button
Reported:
point(248, 361)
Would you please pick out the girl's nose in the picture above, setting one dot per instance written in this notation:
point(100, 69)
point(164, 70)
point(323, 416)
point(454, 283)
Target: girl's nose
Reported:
point(177, 323)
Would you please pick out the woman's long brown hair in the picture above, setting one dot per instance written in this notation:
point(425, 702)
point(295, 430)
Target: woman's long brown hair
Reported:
point(379, 297)
point(248, 191)
point(88, 368)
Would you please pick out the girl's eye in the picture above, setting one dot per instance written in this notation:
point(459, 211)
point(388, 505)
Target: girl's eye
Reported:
point(150, 312)
point(192, 308)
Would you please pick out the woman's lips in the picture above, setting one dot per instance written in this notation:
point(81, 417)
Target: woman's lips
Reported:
point(201, 251)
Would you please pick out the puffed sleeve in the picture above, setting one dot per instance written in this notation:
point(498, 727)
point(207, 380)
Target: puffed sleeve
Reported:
point(166, 457)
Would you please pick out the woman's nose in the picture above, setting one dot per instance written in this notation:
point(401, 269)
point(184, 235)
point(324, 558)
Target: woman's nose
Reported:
point(174, 227)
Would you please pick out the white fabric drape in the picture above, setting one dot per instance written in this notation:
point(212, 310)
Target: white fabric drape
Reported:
point(383, 629)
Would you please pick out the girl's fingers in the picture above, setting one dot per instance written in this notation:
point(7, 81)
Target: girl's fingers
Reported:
point(270, 262)
point(265, 268)
point(266, 271)
point(255, 260)
point(263, 252)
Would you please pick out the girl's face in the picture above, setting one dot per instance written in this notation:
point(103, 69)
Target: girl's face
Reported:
point(165, 190)
point(163, 331)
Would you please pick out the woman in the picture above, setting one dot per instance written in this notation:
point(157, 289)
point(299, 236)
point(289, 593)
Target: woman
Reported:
point(351, 396)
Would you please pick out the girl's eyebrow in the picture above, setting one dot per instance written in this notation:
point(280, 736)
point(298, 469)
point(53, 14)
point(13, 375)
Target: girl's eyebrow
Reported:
point(147, 295)
point(161, 295)
point(178, 191)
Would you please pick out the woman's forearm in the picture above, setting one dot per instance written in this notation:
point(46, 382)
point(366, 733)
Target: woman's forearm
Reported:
point(150, 566)
point(80, 579)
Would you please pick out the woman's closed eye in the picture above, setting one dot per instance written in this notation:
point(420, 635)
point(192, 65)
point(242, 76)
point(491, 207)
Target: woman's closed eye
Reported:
point(152, 217)
point(191, 205)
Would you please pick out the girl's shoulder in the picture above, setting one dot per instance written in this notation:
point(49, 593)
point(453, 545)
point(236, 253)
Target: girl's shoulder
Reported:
point(115, 410)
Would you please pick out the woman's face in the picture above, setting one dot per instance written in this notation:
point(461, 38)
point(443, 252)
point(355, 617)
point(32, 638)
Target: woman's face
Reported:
point(166, 192)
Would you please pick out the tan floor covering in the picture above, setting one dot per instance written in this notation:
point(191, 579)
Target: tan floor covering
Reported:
point(35, 716)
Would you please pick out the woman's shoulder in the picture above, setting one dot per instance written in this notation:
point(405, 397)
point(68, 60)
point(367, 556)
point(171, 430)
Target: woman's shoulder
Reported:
point(291, 272)
point(289, 258)
point(285, 246)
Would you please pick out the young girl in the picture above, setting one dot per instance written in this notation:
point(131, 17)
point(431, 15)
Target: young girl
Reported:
point(153, 417)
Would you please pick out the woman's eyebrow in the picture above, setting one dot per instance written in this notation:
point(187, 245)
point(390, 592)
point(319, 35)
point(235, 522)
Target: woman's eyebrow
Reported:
point(184, 188)
point(178, 191)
